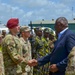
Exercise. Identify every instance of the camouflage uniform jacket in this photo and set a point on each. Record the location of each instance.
(51, 44)
(12, 55)
(39, 47)
(27, 55)
(46, 45)
(70, 70)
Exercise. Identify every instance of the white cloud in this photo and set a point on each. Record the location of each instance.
(67, 2)
(32, 10)
(7, 11)
(32, 3)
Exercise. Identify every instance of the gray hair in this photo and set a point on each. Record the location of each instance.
(62, 20)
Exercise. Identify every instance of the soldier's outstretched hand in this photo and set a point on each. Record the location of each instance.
(32, 62)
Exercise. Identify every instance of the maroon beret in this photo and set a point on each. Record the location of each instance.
(13, 22)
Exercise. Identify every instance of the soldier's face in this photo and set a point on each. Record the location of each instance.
(39, 33)
(16, 29)
(27, 34)
(46, 34)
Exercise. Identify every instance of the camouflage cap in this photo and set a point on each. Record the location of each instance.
(38, 29)
(3, 30)
(24, 28)
(52, 33)
(47, 30)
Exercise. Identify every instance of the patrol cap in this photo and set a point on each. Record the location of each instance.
(52, 33)
(3, 30)
(12, 23)
(47, 30)
(24, 28)
(38, 29)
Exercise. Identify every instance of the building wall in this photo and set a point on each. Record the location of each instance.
(71, 26)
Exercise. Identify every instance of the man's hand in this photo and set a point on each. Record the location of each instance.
(53, 68)
(32, 62)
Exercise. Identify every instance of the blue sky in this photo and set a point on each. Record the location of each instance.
(33, 10)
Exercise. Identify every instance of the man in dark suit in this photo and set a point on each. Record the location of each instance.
(62, 47)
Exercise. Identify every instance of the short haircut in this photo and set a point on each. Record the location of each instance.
(62, 20)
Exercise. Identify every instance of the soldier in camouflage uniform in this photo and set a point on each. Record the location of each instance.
(1, 58)
(45, 40)
(42, 48)
(52, 39)
(14, 63)
(46, 50)
(25, 34)
(0, 40)
(70, 70)
(3, 33)
(38, 47)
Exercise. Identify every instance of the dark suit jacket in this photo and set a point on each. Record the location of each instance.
(60, 52)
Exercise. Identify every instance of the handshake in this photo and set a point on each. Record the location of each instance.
(32, 62)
